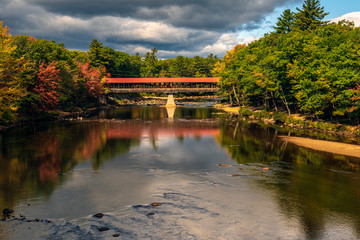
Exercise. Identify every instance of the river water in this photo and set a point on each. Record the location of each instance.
(207, 177)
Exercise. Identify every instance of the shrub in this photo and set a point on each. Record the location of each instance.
(245, 112)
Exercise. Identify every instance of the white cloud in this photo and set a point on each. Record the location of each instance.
(352, 17)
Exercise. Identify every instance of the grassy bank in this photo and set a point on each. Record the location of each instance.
(297, 125)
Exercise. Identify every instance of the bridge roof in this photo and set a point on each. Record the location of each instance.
(164, 80)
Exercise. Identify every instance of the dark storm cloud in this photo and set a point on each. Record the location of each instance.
(184, 27)
(196, 14)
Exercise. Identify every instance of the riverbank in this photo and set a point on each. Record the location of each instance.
(317, 135)
(126, 100)
(57, 115)
(297, 121)
(161, 101)
(228, 108)
(325, 146)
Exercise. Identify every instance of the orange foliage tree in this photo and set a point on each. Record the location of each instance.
(47, 86)
(90, 77)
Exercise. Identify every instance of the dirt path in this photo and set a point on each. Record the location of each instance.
(325, 146)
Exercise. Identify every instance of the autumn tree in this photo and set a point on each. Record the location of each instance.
(47, 86)
(89, 81)
(11, 91)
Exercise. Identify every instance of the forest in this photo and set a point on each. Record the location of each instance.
(306, 65)
(38, 76)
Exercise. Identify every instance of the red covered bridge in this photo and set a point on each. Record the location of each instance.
(163, 85)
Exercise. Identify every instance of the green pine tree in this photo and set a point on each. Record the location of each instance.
(285, 22)
(310, 16)
(98, 54)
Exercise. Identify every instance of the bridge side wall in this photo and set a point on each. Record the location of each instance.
(163, 90)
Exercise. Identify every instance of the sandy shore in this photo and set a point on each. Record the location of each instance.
(325, 146)
(227, 108)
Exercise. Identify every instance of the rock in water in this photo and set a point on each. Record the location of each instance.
(223, 165)
(103, 229)
(99, 215)
(155, 204)
(7, 211)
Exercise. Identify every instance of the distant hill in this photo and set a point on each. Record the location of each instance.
(352, 17)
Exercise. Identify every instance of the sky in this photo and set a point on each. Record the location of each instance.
(182, 27)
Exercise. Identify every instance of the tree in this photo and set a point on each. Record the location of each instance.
(40, 50)
(150, 64)
(89, 79)
(233, 69)
(47, 86)
(310, 16)
(11, 91)
(99, 55)
(285, 22)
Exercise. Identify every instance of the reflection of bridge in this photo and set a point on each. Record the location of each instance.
(179, 128)
(162, 85)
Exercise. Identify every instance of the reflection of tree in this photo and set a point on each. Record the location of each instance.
(111, 149)
(47, 156)
(194, 113)
(32, 157)
(308, 184)
(31, 165)
(150, 113)
(311, 194)
(13, 176)
(247, 144)
(145, 113)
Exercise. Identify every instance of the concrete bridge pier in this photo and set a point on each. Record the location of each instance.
(170, 101)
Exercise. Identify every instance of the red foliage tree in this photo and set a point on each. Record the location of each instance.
(47, 86)
(92, 80)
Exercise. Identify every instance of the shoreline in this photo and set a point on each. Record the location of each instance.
(335, 147)
(228, 108)
(62, 115)
(338, 148)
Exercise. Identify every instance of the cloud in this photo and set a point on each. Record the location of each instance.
(194, 14)
(185, 27)
(351, 17)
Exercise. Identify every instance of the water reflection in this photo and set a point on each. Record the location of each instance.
(308, 185)
(35, 159)
(170, 112)
(315, 190)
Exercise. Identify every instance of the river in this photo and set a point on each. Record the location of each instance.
(184, 173)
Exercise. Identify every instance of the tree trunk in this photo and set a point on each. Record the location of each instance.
(237, 99)
(283, 99)
(266, 103)
(272, 98)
